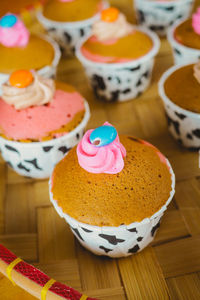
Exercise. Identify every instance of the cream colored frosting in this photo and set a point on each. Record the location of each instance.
(196, 70)
(112, 30)
(39, 92)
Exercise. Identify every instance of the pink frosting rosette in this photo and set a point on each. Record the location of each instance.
(196, 21)
(101, 159)
(16, 35)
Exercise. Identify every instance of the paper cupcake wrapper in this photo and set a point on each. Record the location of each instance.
(120, 81)
(68, 34)
(184, 125)
(181, 53)
(38, 159)
(118, 241)
(47, 71)
(161, 15)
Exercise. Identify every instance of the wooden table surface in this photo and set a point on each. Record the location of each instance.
(31, 228)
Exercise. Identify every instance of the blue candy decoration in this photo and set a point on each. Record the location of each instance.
(8, 21)
(103, 135)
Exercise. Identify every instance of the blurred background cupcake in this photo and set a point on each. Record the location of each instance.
(22, 50)
(118, 57)
(26, 9)
(69, 20)
(179, 88)
(184, 38)
(160, 15)
(40, 120)
(112, 190)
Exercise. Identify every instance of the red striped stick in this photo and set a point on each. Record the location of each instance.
(33, 280)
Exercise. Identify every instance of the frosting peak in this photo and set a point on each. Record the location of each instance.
(109, 30)
(106, 157)
(13, 32)
(196, 21)
(39, 92)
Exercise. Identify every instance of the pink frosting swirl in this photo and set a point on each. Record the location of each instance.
(15, 36)
(106, 159)
(196, 21)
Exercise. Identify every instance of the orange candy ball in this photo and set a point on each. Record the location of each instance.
(21, 78)
(110, 14)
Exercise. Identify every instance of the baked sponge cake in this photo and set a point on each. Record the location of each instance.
(117, 48)
(109, 180)
(19, 49)
(187, 33)
(114, 40)
(182, 87)
(40, 121)
(35, 109)
(71, 11)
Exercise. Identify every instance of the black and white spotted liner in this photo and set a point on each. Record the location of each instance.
(182, 54)
(38, 159)
(159, 16)
(183, 124)
(118, 241)
(47, 71)
(68, 34)
(120, 81)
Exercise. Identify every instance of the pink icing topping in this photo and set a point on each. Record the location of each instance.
(196, 21)
(37, 121)
(106, 159)
(101, 58)
(15, 36)
(107, 42)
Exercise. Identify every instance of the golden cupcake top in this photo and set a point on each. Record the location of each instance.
(71, 10)
(183, 87)
(115, 40)
(36, 55)
(20, 49)
(188, 32)
(135, 192)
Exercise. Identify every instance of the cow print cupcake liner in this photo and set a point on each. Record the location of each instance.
(184, 125)
(47, 71)
(120, 81)
(37, 159)
(181, 53)
(159, 16)
(68, 34)
(118, 241)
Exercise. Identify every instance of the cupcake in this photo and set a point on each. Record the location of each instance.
(184, 38)
(112, 191)
(160, 15)
(21, 50)
(118, 57)
(40, 120)
(69, 20)
(179, 88)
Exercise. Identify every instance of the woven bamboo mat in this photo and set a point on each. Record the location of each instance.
(30, 227)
